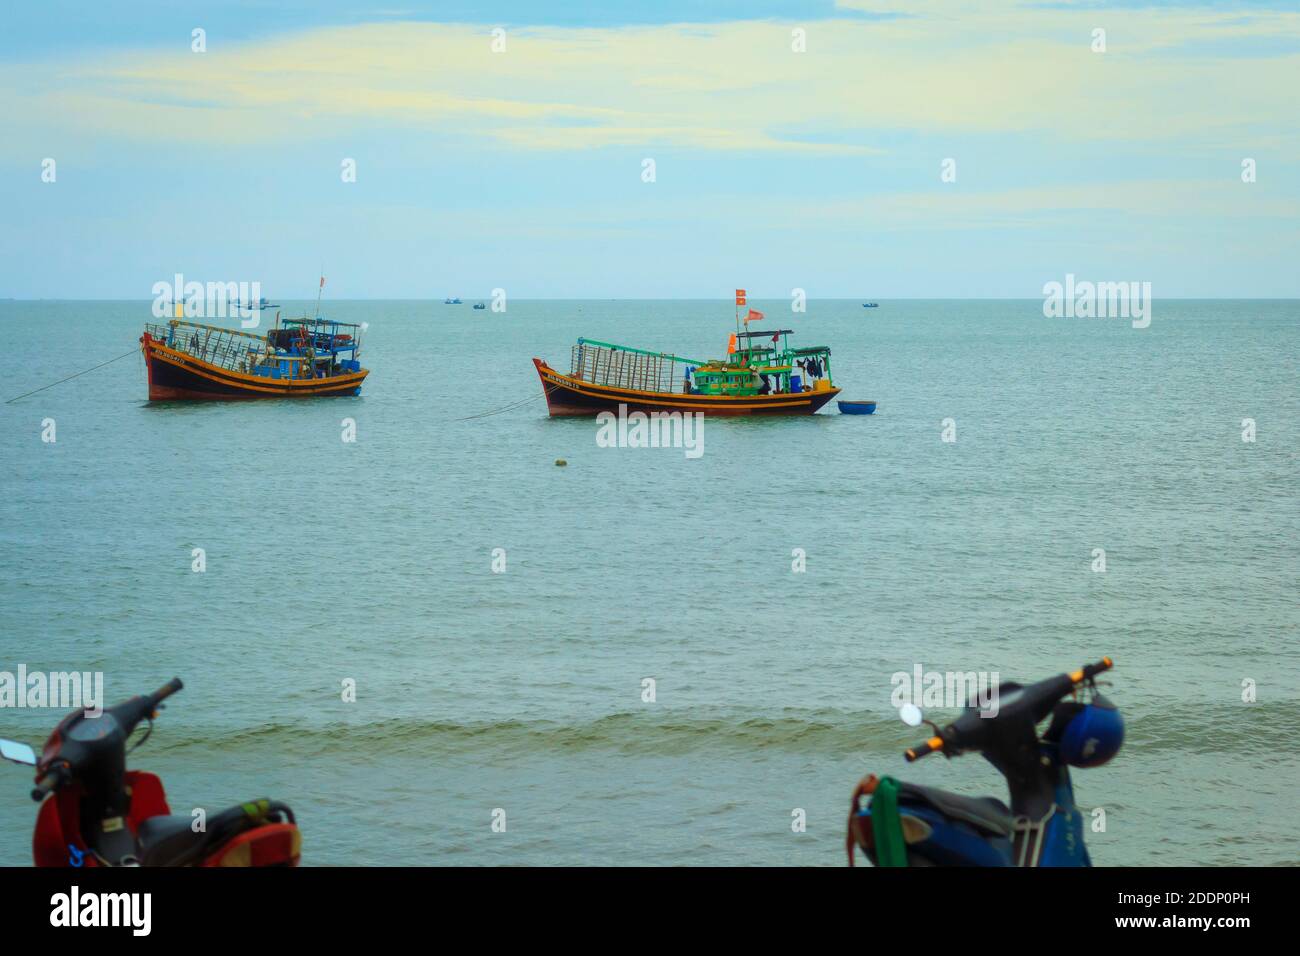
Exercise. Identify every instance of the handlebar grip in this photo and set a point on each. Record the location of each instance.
(1089, 671)
(47, 783)
(919, 751)
(166, 690)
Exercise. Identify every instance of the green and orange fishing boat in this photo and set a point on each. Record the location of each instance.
(761, 375)
(297, 359)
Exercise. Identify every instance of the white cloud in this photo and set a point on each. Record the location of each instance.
(952, 68)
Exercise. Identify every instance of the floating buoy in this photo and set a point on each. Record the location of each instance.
(561, 462)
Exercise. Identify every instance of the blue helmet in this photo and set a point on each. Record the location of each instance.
(1094, 734)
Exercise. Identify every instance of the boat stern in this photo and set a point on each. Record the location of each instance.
(819, 399)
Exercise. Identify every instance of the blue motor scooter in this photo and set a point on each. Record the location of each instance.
(905, 824)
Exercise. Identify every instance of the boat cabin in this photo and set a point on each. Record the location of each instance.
(759, 363)
(762, 363)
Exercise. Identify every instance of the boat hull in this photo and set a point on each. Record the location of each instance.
(566, 395)
(176, 376)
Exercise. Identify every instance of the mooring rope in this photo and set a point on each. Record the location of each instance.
(71, 377)
(507, 408)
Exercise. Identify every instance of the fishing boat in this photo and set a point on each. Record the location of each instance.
(761, 375)
(299, 358)
(871, 305)
(451, 301)
(480, 305)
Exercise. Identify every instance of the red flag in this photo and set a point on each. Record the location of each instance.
(740, 297)
(754, 315)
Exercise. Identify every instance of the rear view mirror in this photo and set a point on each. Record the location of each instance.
(18, 753)
(910, 714)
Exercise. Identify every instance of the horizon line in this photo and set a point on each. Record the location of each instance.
(727, 299)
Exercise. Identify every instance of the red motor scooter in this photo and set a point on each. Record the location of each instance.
(102, 814)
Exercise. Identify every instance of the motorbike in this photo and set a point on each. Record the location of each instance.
(906, 824)
(101, 814)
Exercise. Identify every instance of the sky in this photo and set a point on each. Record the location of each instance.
(860, 148)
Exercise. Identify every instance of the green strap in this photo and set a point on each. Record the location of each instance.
(886, 826)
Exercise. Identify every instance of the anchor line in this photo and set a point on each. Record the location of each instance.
(71, 377)
(508, 408)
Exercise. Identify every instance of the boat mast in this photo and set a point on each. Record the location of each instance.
(740, 300)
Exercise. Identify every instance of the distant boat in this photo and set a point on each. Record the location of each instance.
(870, 305)
(451, 302)
(857, 408)
(259, 304)
(479, 305)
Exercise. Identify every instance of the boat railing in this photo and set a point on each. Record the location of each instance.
(626, 368)
(230, 349)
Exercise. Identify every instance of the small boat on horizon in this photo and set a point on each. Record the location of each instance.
(451, 302)
(303, 357)
(479, 305)
(761, 375)
(871, 305)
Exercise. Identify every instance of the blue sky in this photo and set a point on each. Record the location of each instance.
(774, 168)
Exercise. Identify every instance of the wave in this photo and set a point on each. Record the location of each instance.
(1163, 727)
(825, 730)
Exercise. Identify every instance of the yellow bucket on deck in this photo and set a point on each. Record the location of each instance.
(822, 385)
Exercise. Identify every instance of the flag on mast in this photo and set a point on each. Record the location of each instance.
(740, 297)
(754, 315)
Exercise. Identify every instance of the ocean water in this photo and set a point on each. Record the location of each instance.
(522, 691)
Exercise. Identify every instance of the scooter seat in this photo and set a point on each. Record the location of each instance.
(168, 841)
(171, 841)
(986, 813)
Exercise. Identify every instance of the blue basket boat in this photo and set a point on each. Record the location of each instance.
(856, 408)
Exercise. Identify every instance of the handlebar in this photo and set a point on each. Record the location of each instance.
(51, 781)
(920, 750)
(166, 690)
(77, 751)
(1089, 671)
(1081, 676)
(144, 706)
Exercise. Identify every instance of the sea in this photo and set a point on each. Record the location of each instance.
(441, 647)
